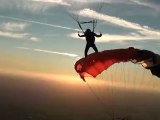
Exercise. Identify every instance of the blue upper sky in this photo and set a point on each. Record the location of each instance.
(43, 31)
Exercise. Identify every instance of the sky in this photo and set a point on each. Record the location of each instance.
(41, 36)
(38, 38)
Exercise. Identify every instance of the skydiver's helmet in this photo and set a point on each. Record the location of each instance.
(87, 31)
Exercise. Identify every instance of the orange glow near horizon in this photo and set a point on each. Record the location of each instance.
(76, 80)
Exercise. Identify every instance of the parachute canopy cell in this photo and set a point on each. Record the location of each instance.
(96, 63)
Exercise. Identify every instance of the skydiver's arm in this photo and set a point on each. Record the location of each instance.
(81, 35)
(98, 35)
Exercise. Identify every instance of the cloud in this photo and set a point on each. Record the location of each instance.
(49, 52)
(33, 6)
(14, 30)
(25, 5)
(154, 4)
(97, 1)
(58, 53)
(40, 6)
(13, 26)
(54, 2)
(24, 48)
(13, 35)
(19, 4)
(35, 39)
(112, 20)
(40, 23)
(141, 32)
(22, 36)
(120, 37)
(117, 37)
(146, 2)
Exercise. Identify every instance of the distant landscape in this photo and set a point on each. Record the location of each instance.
(27, 98)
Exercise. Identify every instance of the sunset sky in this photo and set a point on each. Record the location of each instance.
(39, 47)
(41, 36)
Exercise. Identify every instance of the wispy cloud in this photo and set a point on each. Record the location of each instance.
(49, 52)
(54, 2)
(58, 53)
(13, 35)
(40, 6)
(117, 37)
(16, 30)
(35, 39)
(40, 23)
(13, 26)
(96, 1)
(24, 48)
(141, 32)
(19, 36)
(114, 20)
(28, 5)
(154, 4)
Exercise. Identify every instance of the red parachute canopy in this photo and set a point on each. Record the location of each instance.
(96, 63)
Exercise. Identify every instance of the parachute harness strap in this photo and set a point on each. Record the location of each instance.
(80, 26)
(76, 19)
(94, 22)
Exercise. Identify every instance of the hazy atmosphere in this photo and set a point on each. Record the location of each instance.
(39, 46)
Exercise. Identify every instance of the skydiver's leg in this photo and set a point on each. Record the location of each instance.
(95, 48)
(86, 50)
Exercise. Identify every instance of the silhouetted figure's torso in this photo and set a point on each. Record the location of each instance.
(90, 37)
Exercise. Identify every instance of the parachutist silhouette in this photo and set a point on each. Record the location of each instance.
(90, 39)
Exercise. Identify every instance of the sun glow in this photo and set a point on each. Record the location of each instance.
(76, 80)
